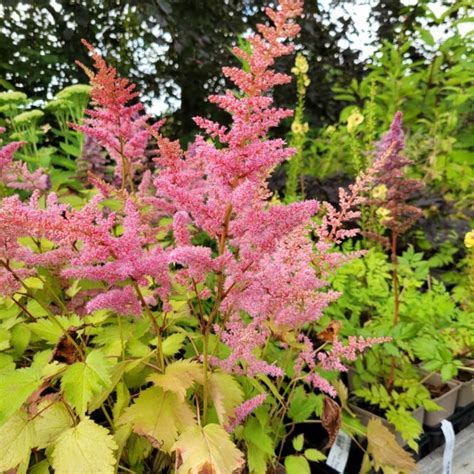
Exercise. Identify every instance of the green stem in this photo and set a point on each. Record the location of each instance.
(396, 303)
(205, 396)
(156, 329)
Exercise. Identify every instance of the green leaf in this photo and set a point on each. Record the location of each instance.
(5, 336)
(173, 344)
(297, 465)
(51, 332)
(123, 399)
(352, 424)
(35, 308)
(254, 433)
(159, 416)
(302, 405)
(40, 468)
(17, 440)
(314, 455)
(448, 371)
(20, 338)
(426, 36)
(409, 428)
(256, 459)
(207, 449)
(82, 380)
(298, 442)
(86, 448)
(430, 405)
(15, 387)
(70, 149)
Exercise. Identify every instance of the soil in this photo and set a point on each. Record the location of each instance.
(376, 410)
(464, 376)
(437, 390)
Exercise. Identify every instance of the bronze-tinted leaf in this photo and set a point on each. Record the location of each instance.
(331, 331)
(331, 420)
(65, 351)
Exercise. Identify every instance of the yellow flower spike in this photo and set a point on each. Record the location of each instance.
(354, 120)
(301, 65)
(469, 240)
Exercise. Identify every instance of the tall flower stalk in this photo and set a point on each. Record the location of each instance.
(391, 192)
(299, 129)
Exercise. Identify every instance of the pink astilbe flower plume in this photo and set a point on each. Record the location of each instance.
(115, 124)
(244, 410)
(121, 301)
(15, 174)
(270, 275)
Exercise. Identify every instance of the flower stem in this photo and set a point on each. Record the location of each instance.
(156, 329)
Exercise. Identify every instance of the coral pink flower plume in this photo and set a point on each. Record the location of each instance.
(116, 123)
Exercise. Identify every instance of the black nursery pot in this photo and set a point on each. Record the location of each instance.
(316, 437)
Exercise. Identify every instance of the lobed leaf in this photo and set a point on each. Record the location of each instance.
(87, 448)
(206, 450)
(159, 416)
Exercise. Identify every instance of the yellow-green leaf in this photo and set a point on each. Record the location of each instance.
(178, 377)
(172, 344)
(226, 394)
(159, 416)
(82, 380)
(52, 419)
(207, 449)
(297, 465)
(15, 387)
(385, 450)
(87, 448)
(343, 394)
(16, 437)
(314, 455)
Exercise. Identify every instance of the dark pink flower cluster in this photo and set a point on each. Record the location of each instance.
(389, 174)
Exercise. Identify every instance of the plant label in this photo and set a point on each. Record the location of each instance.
(448, 432)
(339, 452)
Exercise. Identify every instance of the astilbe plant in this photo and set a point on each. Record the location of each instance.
(391, 192)
(255, 288)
